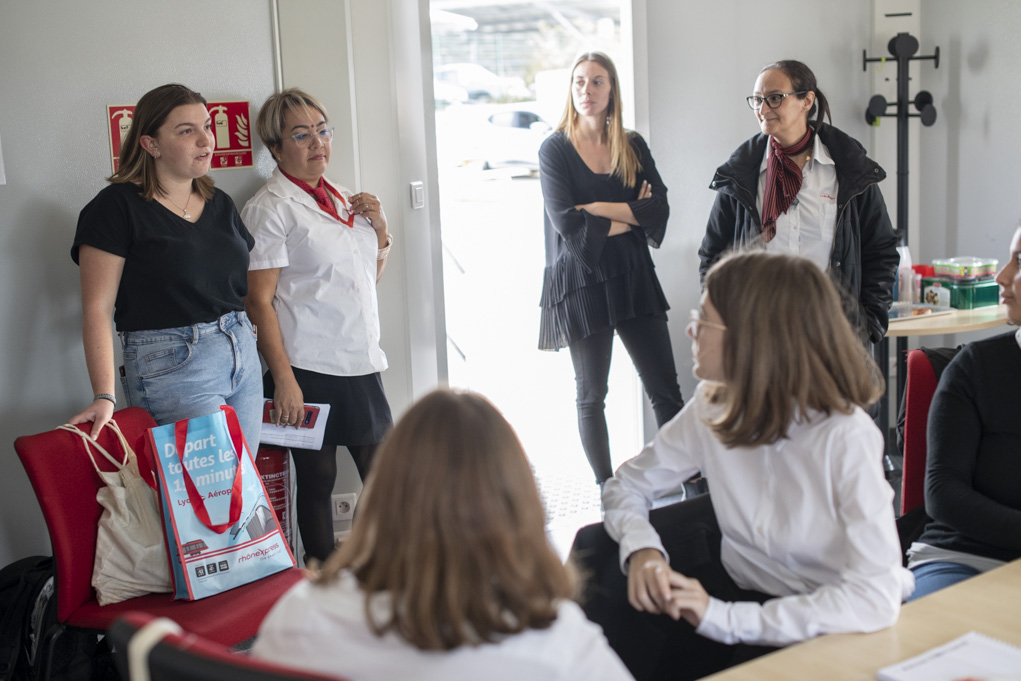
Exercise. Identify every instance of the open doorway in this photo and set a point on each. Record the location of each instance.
(500, 83)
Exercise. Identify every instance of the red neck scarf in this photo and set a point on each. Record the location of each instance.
(322, 198)
(783, 182)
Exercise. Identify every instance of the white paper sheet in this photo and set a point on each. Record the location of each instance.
(301, 438)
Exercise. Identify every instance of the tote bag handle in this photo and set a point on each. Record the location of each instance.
(197, 502)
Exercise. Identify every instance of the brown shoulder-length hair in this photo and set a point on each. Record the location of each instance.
(803, 81)
(451, 528)
(136, 164)
(788, 347)
(624, 162)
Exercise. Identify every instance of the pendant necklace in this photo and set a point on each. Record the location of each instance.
(184, 211)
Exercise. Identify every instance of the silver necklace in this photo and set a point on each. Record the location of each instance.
(184, 211)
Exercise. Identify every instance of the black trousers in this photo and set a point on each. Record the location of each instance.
(655, 646)
(647, 341)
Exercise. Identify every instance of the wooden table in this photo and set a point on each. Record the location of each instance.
(956, 321)
(989, 603)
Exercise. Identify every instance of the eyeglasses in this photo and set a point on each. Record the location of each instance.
(772, 101)
(324, 136)
(695, 323)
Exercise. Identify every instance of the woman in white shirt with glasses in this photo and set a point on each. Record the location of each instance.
(796, 537)
(319, 250)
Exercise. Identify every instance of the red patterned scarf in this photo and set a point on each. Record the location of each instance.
(783, 182)
(323, 199)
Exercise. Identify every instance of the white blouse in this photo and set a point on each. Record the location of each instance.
(808, 227)
(326, 295)
(323, 629)
(809, 519)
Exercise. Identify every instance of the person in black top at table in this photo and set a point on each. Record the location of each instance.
(973, 470)
(605, 204)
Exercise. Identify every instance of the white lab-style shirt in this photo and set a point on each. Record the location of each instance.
(808, 226)
(326, 295)
(808, 519)
(323, 629)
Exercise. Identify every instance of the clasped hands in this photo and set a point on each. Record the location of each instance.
(653, 587)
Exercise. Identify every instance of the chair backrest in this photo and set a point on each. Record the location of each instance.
(921, 385)
(156, 649)
(65, 484)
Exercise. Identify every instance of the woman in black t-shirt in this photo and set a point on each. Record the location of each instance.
(164, 256)
(605, 205)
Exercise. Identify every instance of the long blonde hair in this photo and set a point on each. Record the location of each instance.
(788, 347)
(138, 166)
(624, 162)
(451, 527)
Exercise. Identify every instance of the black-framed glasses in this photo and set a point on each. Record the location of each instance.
(308, 138)
(772, 101)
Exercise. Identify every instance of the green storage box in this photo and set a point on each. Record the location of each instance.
(969, 293)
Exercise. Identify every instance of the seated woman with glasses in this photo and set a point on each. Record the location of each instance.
(797, 536)
(319, 250)
(447, 574)
(973, 472)
(806, 188)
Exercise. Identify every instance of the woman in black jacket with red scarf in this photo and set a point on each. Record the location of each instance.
(805, 187)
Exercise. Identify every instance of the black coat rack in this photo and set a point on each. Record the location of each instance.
(903, 47)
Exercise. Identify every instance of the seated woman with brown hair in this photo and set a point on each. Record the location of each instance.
(796, 537)
(447, 573)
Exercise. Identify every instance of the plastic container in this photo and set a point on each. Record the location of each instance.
(936, 294)
(963, 268)
(966, 294)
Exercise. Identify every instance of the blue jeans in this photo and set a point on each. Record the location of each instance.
(190, 371)
(938, 575)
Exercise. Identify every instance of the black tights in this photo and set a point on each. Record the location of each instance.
(655, 647)
(315, 474)
(647, 341)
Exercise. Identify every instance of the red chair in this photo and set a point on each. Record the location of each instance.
(921, 385)
(157, 650)
(65, 484)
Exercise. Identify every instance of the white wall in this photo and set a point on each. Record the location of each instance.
(703, 59)
(970, 172)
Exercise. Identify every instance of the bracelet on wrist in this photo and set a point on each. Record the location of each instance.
(385, 251)
(105, 396)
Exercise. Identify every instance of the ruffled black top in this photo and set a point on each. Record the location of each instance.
(592, 281)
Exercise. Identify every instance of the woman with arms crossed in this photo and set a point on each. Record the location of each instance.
(604, 205)
(973, 471)
(806, 188)
(164, 254)
(319, 250)
(797, 536)
(447, 574)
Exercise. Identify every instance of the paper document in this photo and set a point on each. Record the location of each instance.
(972, 656)
(299, 437)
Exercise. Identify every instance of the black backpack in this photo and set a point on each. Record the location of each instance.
(28, 609)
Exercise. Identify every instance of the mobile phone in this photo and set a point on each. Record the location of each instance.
(269, 414)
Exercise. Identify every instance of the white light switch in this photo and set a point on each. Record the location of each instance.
(417, 195)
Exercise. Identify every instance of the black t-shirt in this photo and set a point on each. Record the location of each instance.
(176, 273)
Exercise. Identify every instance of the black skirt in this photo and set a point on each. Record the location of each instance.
(359, 412)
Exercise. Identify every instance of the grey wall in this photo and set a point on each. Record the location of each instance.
(970, 174)
(703, 59)
(61, 63)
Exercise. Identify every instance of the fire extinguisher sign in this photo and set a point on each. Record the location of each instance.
(232, 132)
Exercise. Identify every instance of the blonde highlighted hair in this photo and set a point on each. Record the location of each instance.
(270, 123)
(788, 348)
(451, 527)
(624, 162)
(135, 164)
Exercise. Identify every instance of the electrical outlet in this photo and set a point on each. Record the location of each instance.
(344, 506)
